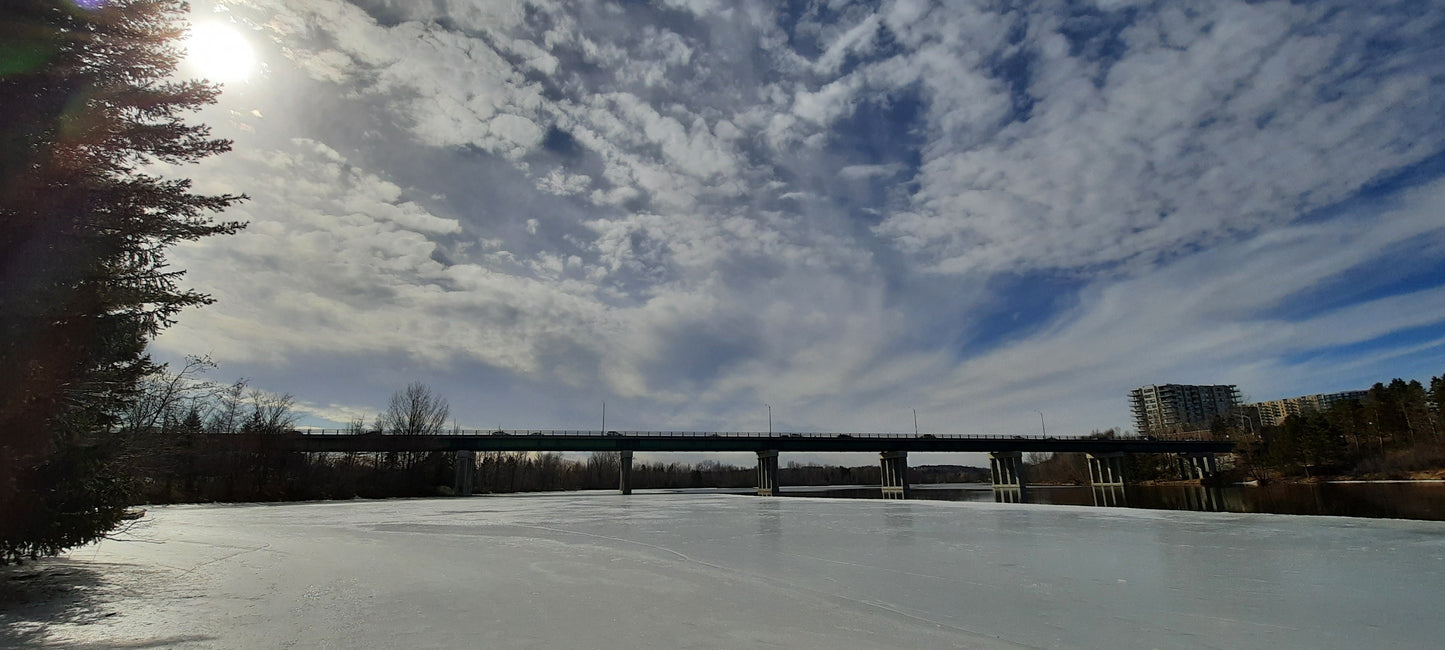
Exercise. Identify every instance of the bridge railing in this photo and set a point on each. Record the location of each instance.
(721, 434)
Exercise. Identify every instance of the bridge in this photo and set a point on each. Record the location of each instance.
(1196, 458)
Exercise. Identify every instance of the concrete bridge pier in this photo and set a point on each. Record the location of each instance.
(624, 472)
(1197, 466)
(1007, 470)
(466, 465)
(1106, 469)
(895, 474)
(768, 473)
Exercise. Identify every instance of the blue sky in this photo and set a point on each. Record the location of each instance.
(845, 210)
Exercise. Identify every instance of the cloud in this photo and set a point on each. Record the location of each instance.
(698, 207)
(336, 259)
(861, 172)
(1230, 119)
(452, 87)
(1215, 318)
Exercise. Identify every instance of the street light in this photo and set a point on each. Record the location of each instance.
(770, 419)
(915, 423)
(1041, 423)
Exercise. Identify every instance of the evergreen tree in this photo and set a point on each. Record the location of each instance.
(87, 103)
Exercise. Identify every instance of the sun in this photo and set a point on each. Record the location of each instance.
(219, 52)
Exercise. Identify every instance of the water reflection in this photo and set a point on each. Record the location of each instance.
(1001, 495)
(1207, 499)
(899, 524)
(770, 520)
(1402, 500)
(1110, 496)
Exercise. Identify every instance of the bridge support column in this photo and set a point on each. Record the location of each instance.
(1007, 470)
(466, 462)
(1106, 469)
(624, 473)
(895, 474)
(1197, 466)
(768, 473)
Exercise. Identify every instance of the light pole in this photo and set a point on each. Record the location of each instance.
(1041, 423)
(1247, 421)
(604, 418)
(915, 423)
(770, 419)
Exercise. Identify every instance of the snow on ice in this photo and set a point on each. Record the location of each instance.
(660, 570)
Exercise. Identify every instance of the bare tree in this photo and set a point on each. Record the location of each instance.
(270, 412)
(159, 425)
(415, 410)
(226, 411)
(163, 399)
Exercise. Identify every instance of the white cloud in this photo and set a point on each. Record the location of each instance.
(460, 89)
(697, 247)
(337, 261)
(861, 172)
(1209, 319)
(560, 182)
(1207, 126)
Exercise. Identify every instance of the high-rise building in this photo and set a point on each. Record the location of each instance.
(1273, 412)
(1169, 408)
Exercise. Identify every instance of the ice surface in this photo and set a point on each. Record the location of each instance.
(654, 570)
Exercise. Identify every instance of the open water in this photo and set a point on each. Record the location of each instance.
(1392, 500)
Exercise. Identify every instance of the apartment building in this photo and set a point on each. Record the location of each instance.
(1168, 408)
(1273, 412)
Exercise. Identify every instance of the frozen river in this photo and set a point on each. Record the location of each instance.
(599, 570)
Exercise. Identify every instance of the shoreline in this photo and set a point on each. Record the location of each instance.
(1316, 480)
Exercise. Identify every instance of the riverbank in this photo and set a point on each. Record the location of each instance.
(1416, 476)
(1431, 476)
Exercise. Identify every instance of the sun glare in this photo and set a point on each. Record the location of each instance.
(218, 52)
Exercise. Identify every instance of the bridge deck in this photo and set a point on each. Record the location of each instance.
(558, 440)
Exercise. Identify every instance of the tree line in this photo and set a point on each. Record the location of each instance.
(1393, 431)
(173, 414)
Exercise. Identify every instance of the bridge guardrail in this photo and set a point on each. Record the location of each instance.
(725, 434)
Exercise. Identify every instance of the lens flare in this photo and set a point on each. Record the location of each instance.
(218, 52)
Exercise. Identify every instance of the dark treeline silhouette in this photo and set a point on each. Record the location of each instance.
(259, 471)
(168, 463)
(1393, 431)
